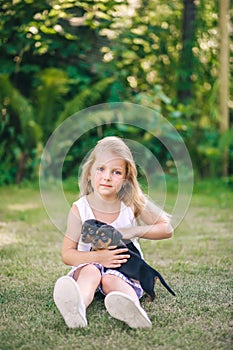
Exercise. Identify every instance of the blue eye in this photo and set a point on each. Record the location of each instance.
(117, 172)
(100, 168)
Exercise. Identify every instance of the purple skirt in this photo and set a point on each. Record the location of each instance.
(135, 284)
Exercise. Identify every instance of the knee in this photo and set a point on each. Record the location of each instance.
(107, 283)
(92, 271)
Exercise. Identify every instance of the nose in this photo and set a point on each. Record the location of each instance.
(107, 175)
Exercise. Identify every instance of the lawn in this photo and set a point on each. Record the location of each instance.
(196, 262)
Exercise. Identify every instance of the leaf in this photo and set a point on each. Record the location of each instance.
(88, 97)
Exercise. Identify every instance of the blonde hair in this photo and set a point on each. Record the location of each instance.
(130, 193)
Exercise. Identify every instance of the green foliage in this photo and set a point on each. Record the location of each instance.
(19, 129)
(52, 87)
(20, 111)
(91, 95)
(63, 56)
(7, 170)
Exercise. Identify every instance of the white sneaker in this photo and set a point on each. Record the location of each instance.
(69, 302)
(122, 307)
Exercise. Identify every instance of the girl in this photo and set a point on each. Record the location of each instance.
(109, 192)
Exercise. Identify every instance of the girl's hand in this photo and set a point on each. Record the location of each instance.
(112, 257)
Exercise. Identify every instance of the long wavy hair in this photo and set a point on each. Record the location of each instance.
(130, 192)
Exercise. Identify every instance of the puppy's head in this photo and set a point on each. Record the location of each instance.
(100, 235)
(101, 241)
(88, 235)
(89, 229)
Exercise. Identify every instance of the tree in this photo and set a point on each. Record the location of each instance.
(186, 68)
(224, 7)
(61, 56)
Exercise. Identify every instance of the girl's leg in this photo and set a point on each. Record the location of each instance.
(112, 283)
(122, 302)
(88, 279)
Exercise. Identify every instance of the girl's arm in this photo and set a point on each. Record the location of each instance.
(71, 256)
(155, 225)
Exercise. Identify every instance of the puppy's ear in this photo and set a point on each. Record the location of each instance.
(116, 237)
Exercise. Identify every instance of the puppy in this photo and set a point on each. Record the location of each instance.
(101, 236)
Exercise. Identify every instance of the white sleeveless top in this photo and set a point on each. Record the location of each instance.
(125, 219)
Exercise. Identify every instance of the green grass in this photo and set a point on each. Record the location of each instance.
(197, 263)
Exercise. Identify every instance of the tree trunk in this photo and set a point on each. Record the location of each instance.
(224, 8)
(21, 165)
(184, 92)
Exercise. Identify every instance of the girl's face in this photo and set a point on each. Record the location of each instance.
(107, 175)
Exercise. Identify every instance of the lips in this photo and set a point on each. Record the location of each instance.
(104, 185)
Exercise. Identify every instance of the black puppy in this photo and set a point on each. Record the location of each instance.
(101, 236)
